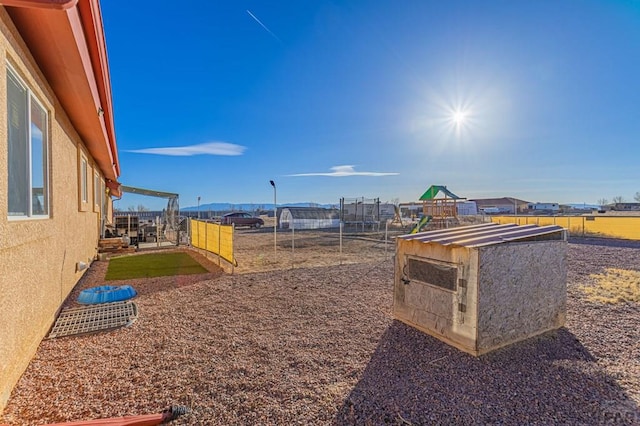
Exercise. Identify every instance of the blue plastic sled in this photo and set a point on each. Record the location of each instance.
(106, 294)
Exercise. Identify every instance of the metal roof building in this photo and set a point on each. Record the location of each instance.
(308, 218)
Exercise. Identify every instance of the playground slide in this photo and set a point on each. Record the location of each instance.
(421, 224)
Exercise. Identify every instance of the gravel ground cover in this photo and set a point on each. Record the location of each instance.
(318, 345)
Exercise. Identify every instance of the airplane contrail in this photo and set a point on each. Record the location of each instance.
(263, 25)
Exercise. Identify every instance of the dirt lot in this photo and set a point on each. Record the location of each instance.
(305, 249)
(315, 344)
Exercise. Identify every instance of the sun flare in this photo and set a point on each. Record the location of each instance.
(450, 120)
(459, 117)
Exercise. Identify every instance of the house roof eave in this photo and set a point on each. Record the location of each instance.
(41, 4)
(66, 39)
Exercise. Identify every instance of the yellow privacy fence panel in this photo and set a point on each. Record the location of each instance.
(606, 226)
(213, 238)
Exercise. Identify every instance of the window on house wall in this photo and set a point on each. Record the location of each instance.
(84, 179)
(28, 150)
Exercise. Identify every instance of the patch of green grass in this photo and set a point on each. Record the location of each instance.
(152, 265)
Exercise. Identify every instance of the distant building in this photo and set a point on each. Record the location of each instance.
(625, 207)
(411, 210)
(544, 207)
(578, 209)
(505, 205)
(467, 208)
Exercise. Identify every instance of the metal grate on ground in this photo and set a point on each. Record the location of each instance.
(89, 319)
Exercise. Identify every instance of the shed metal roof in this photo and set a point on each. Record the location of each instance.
(485, 234)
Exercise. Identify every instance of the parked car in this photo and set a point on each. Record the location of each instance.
(241, 219)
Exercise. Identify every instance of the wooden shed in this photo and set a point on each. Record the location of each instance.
(482, 287)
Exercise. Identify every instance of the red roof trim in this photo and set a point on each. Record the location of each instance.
(42, 4)
(91, 15)
(115, 187)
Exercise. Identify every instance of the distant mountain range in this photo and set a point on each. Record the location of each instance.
(249, 207)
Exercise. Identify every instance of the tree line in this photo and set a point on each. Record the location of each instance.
(618, 199)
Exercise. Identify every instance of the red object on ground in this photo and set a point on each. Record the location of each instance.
(167, 415)
(144, 420)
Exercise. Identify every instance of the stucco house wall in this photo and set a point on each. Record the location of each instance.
(38, 257)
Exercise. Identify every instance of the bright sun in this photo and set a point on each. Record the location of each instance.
(458, 117)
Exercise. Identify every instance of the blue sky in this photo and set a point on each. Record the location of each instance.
(538, 100)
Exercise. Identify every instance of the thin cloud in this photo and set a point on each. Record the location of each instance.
(209, 148)
(343, 171)
(263, 25)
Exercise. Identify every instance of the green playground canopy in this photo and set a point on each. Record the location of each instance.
(434, 190)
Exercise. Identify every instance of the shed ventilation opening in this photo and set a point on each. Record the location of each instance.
(437, 274)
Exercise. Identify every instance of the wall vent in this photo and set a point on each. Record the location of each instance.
(437, 274)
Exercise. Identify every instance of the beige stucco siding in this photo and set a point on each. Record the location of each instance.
(38, 257)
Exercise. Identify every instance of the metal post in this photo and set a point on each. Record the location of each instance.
(293, 242)
(189, 232)
(198, 207)
(177, 222)
(341, 226)
(206, 237)
(386, 234)
(275, 219)
(363, 214)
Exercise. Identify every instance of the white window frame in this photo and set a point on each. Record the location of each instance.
(84, 179)
(97, 199)
(31, 99)
(103, 197)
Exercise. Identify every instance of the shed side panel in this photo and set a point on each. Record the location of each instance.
(521, 291)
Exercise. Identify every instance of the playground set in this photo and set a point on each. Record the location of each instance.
(439, 209)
